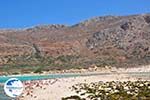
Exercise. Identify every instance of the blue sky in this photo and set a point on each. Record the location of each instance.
(27, 13)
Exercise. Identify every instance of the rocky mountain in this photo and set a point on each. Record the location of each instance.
(122, 41)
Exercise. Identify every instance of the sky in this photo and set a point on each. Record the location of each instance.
(28, 13)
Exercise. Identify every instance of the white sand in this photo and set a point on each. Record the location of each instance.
(61, 87)
(55, 89)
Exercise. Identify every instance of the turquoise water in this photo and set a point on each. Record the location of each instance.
(50, 76)
(3, 79)
(34, 77)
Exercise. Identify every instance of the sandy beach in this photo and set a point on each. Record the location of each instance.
(55, 89)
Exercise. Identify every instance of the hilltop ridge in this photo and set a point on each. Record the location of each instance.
(122, 41)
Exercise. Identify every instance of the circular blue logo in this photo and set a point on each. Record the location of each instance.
(13, 87)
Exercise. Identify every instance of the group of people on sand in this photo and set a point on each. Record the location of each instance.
(30, 85)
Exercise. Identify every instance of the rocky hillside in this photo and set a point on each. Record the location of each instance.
(122, 41)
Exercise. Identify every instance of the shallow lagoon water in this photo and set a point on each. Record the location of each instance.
(49, 76)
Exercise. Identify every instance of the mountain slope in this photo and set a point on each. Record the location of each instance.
(122, 41)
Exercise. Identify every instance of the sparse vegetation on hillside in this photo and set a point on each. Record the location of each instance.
(121, 41)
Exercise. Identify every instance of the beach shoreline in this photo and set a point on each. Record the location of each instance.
(56, 88)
